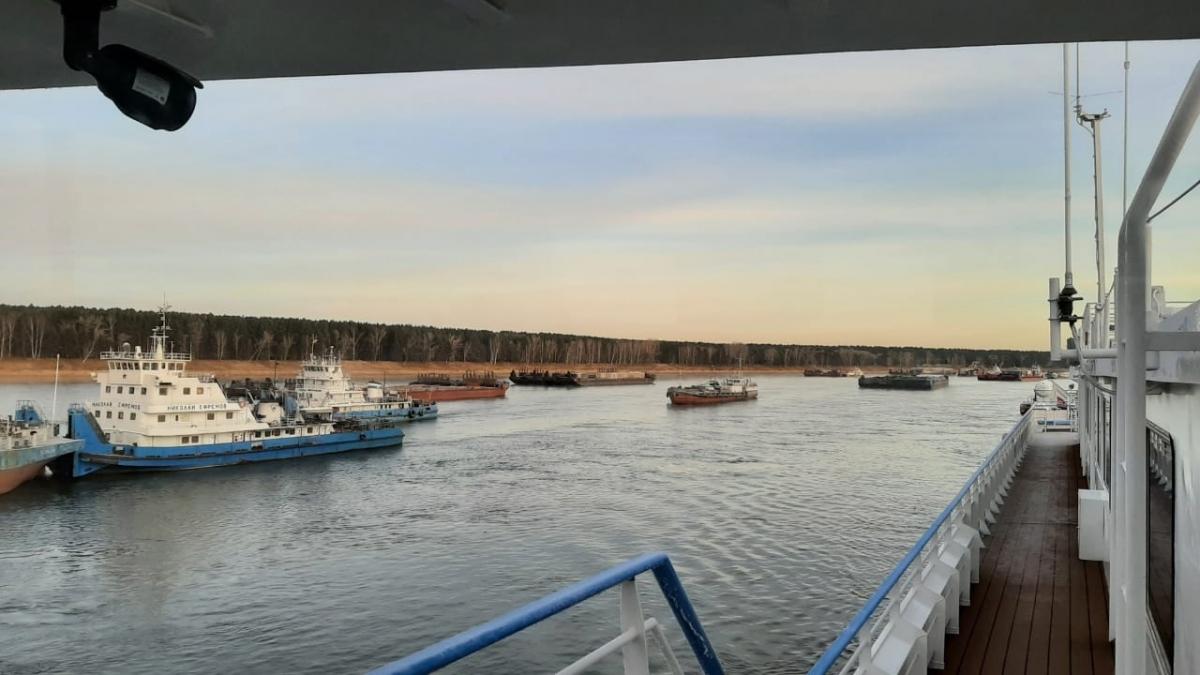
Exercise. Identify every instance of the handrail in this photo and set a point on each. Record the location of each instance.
(834, 652)
(468, 642)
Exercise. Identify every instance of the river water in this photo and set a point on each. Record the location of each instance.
(781, 516)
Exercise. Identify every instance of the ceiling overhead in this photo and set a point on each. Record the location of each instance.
(222, 39)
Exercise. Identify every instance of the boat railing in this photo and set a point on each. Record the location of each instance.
(145, 356)
(903, 625)
(631, 642)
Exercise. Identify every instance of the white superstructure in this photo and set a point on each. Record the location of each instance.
(147, 398)
(322, 388)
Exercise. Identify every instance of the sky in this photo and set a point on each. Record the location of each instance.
(885, 198)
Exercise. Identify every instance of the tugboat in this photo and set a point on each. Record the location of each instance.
(27, 444)
(324, 391)
(153, 415)
(729, 390)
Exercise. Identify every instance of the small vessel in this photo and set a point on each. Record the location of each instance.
(438, 387)
(152, 414)
(323, 390)
(728, 390)
(911, 381)
(27, 444)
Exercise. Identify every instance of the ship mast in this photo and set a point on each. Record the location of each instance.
(158, 336)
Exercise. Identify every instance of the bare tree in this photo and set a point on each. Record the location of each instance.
(92, 329)
(36, 325)
(377, 334)
(221, 339)
(285, 345)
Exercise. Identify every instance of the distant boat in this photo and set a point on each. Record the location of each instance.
(729, 390)
(910, 381)
(323, 390)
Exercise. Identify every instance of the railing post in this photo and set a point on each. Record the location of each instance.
(634, 653)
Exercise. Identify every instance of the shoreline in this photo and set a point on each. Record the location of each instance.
(74, 371)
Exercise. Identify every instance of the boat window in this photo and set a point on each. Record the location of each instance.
(133, 416)
(120, 390)
(154, 366)
(310, 430)
(228, 415)
(143, 391)
(291, 432)
(187, 390)
(1160, 534)
(195, 439)
(120, 415)
(162, 391)
(162, 418)
(258, 434)
(199, 390)
(108, 414)
(212, 416)
(108, 390)
(186, 440)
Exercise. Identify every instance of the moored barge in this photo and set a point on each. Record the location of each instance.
(914, 382)
(438, 387)
(27, 444)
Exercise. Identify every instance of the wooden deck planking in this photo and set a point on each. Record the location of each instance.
(1037, 609)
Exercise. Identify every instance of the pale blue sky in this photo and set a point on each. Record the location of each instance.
(854, 198)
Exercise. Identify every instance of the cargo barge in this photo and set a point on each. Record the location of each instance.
(27, 444)
(570, 378)
(909, 381)
(439, 387)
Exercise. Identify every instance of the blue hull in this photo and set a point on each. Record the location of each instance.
(98, 455)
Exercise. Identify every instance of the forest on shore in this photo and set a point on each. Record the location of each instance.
(84, 332)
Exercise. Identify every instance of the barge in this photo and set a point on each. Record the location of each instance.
(909, 382)
(571, 378)
(438, 387)
(27, 444)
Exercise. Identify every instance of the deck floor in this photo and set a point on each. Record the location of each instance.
(1037, 607)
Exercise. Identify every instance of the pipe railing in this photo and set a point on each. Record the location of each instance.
(1133, 288)
(973, 504)
(631, 641)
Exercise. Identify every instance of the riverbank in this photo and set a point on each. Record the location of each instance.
(41, 371)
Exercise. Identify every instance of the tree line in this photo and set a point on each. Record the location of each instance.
(82, 332)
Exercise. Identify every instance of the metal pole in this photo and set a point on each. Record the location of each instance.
(1100, 257)
(54, 397)
(1068, 279)
(1134, 287)
(1125, 141)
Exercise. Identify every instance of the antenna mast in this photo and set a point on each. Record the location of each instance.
(1069, 288)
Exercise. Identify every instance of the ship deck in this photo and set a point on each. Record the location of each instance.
(1037, 608)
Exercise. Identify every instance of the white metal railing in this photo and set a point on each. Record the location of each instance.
(903, 626)
(145, 356)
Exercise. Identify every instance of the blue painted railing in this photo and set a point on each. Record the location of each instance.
(468, 642)
(835, 650)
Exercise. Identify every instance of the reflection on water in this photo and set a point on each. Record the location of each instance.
(782, 515)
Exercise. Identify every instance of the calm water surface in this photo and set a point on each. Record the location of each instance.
(781, 515)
